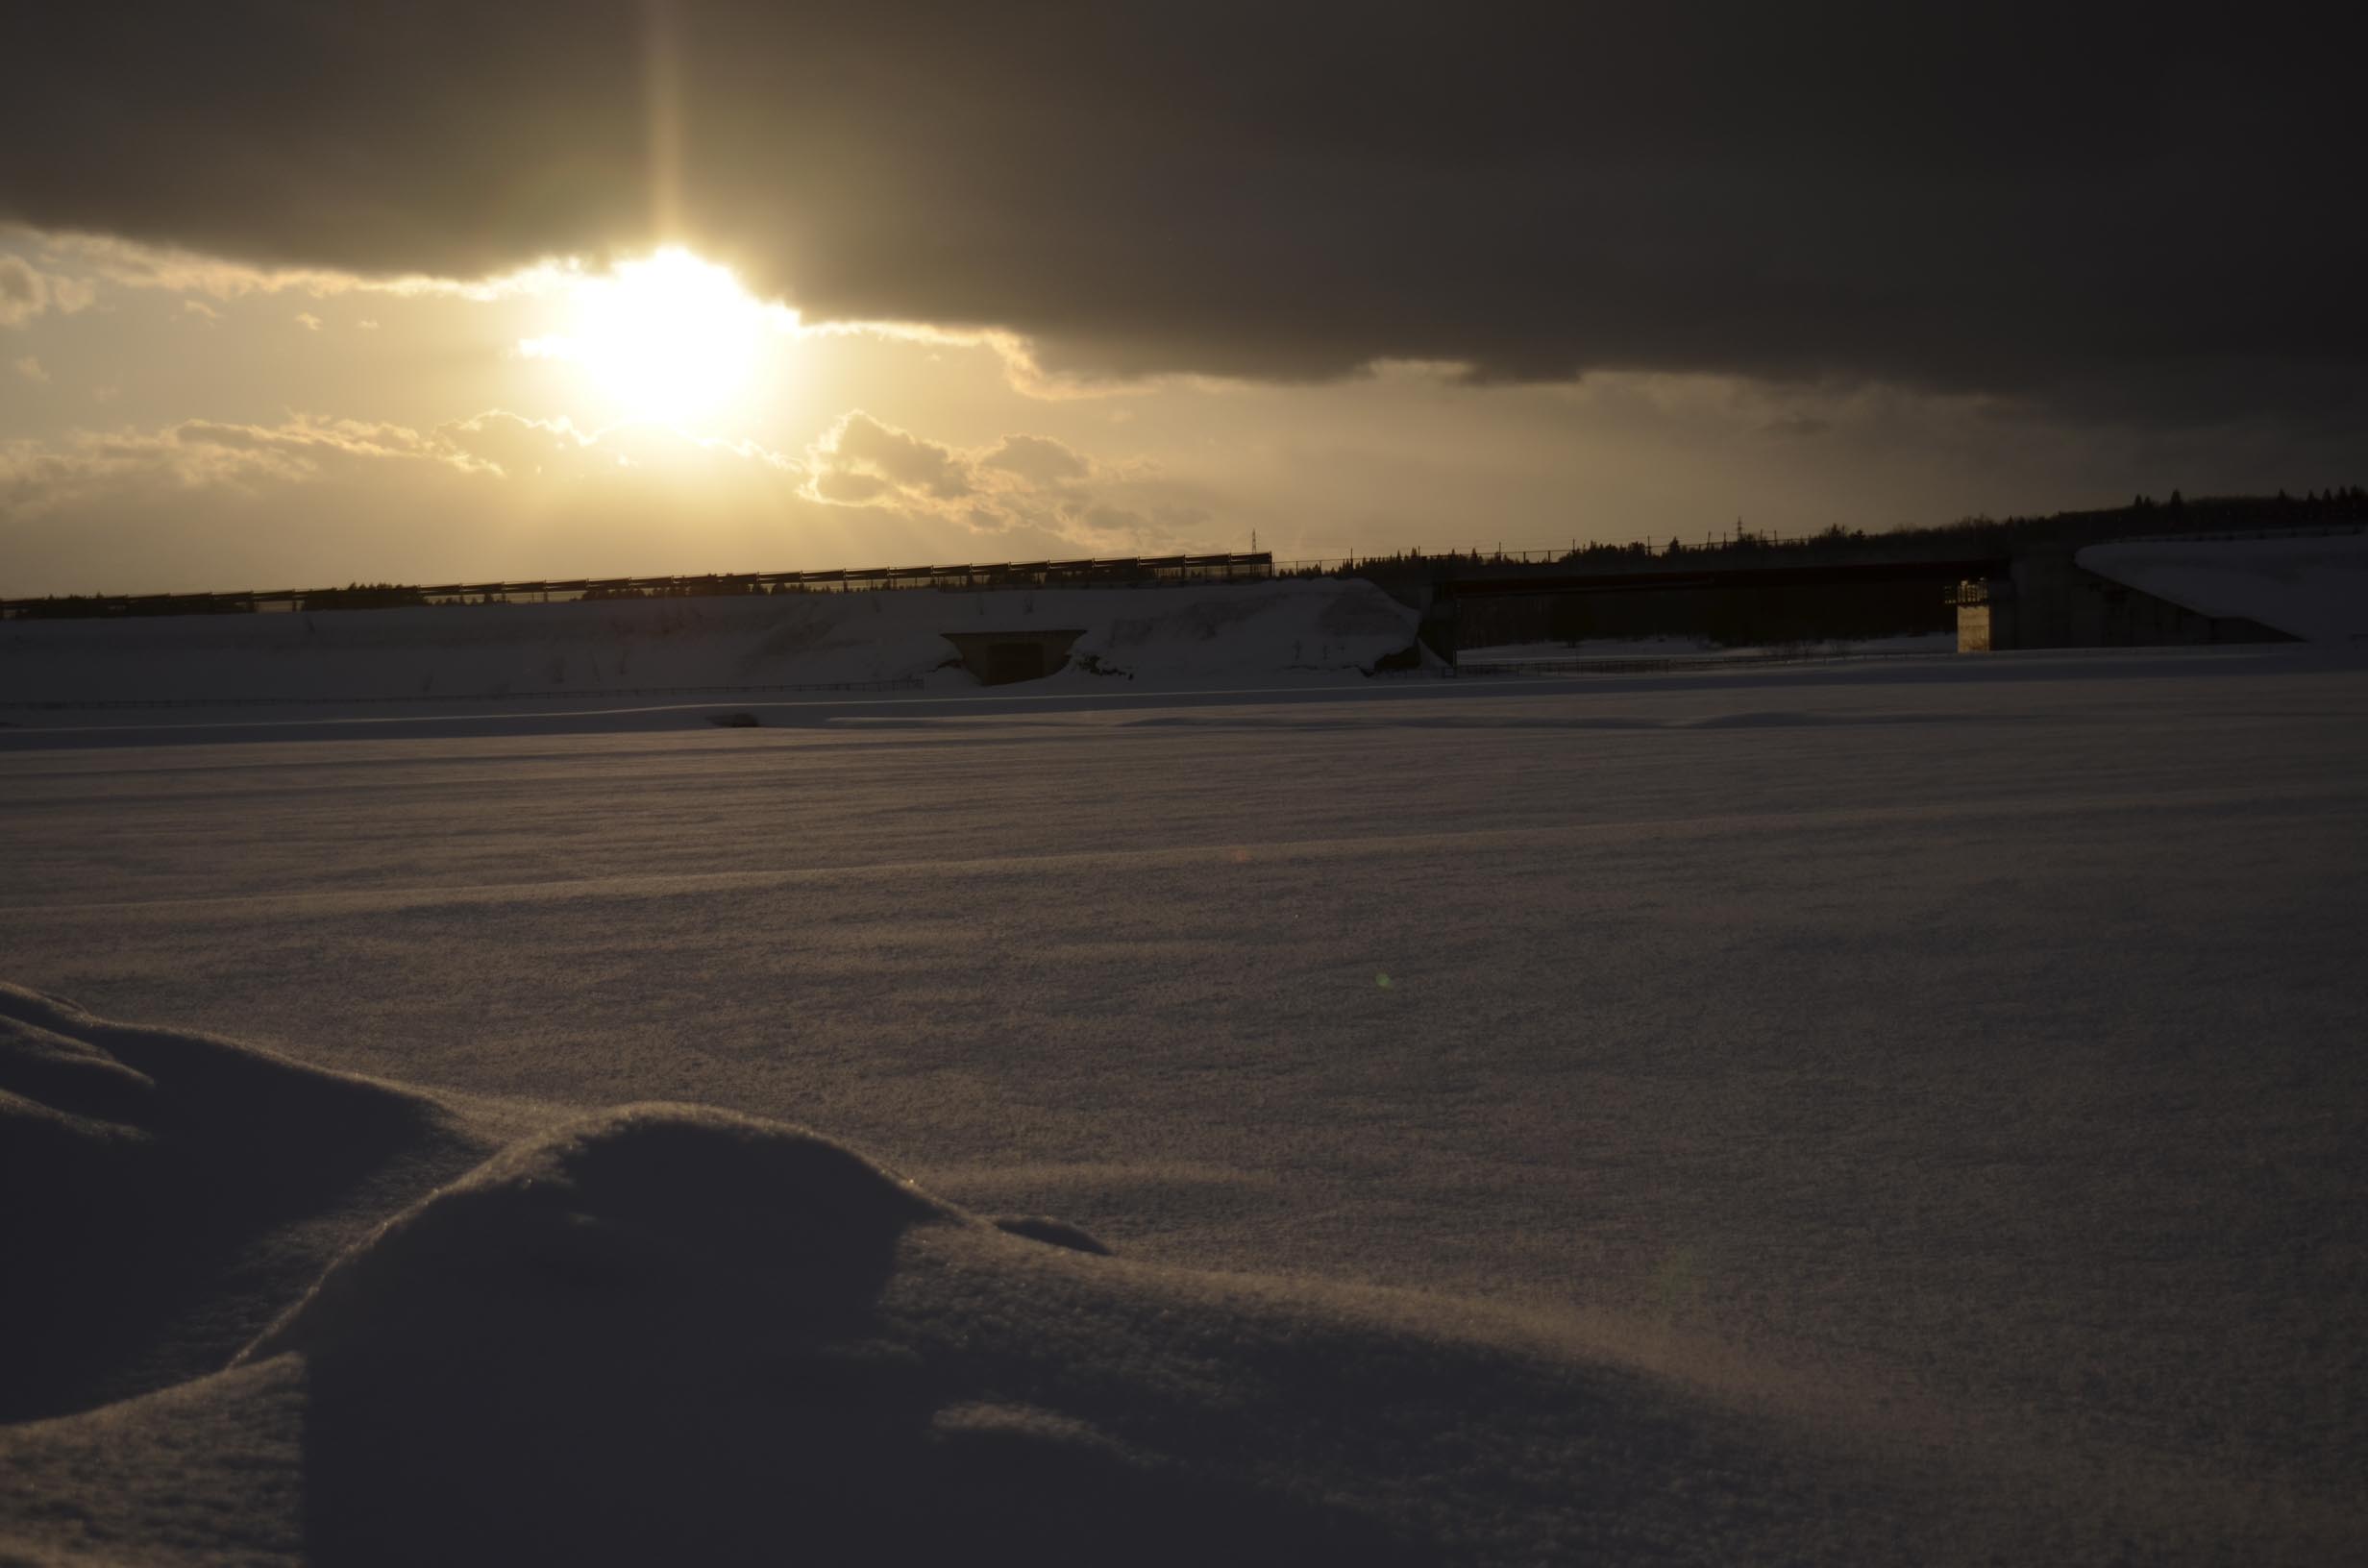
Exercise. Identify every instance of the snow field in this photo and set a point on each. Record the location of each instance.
(1839, 1113)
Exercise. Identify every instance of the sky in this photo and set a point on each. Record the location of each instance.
(437, 292)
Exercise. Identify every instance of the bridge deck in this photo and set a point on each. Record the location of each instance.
(1818, 574)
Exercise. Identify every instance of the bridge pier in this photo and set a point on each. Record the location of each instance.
(1437, 622)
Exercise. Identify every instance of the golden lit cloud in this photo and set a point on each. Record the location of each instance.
(1017, 485)
(131, 264)
(38, 476)
(26, 293)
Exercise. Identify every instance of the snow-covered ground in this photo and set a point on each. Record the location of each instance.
(1307, 629)
(2312, 586)
(1881, 1111)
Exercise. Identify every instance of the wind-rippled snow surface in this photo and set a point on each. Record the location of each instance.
(1808, 1115)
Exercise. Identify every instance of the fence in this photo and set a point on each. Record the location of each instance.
(903, 683)
(1110, 571)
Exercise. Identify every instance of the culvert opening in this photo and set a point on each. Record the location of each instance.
(1003, 658)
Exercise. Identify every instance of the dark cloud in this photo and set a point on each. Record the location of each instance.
(2072, 203)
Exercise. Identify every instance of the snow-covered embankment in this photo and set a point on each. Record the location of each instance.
(2312, 586)
(621, 646)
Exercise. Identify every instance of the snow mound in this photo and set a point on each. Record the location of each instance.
(2312, 586)
(171, 1191)
(665, 1332)
(619, 647)
(674, 1194)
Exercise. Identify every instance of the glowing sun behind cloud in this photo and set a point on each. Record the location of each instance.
(668, 337)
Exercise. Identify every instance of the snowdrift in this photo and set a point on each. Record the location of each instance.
(666, 1333)
(2314, 587)
(629, 646)
(165, 1190)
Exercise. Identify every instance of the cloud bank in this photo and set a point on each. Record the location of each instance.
(2139, 211)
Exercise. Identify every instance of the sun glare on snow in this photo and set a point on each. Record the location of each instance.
(668, 337)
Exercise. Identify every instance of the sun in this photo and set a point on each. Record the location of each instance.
(667, 337)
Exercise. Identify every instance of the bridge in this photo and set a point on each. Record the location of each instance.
(1451, 593)
(1824, 573)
